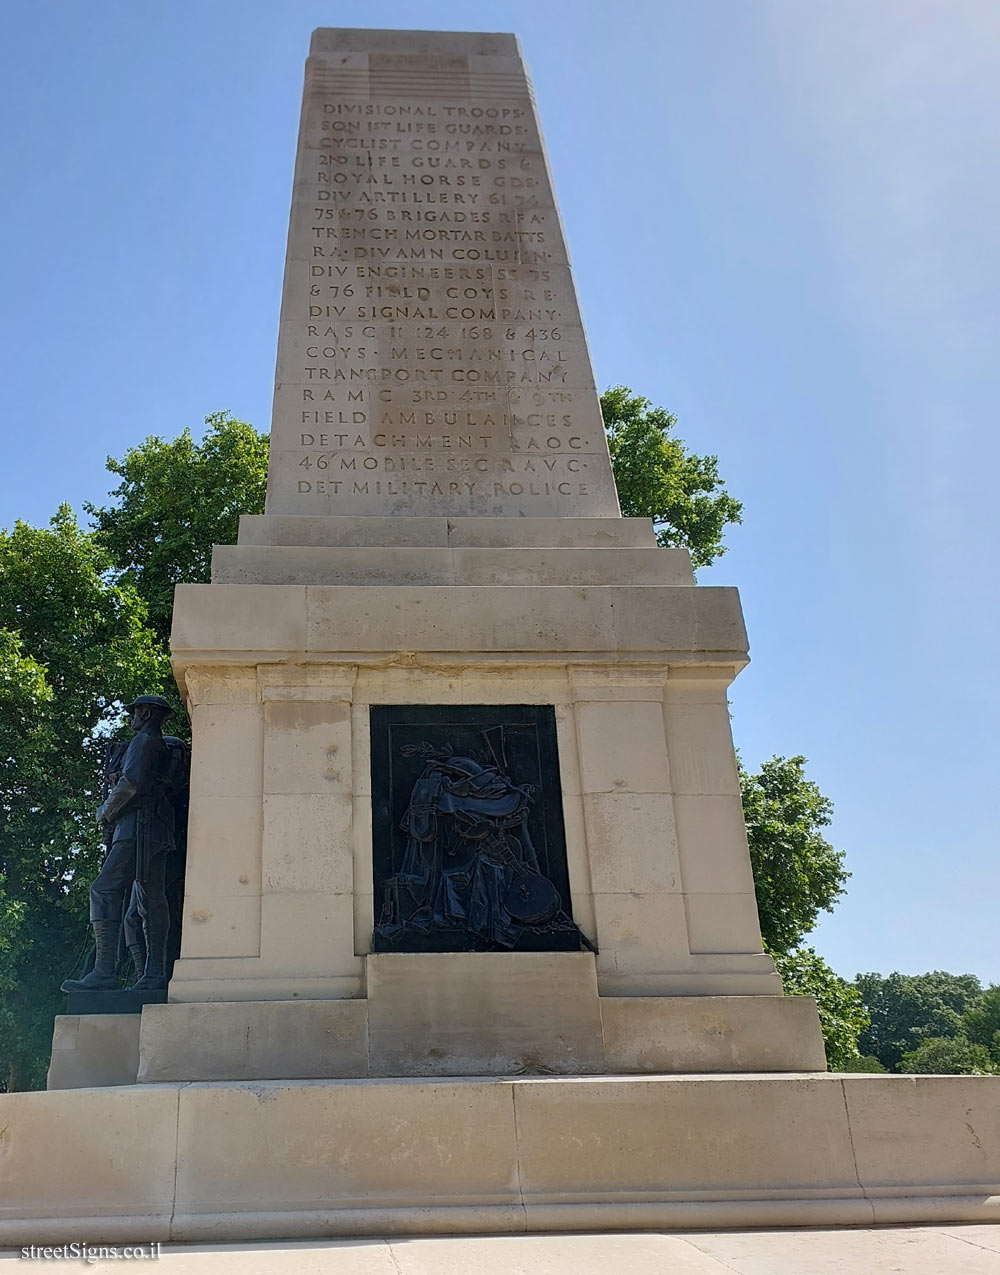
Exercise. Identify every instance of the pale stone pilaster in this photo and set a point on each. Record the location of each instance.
(625, 791)
(307, 898)
(222, 904)
(711, 838)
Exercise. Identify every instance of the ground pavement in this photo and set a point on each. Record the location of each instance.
(902, 1250)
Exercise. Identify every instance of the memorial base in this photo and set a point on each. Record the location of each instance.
(288, 1160)
(451, 1014)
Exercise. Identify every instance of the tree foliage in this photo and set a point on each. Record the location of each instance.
(949, 1056)
(797, 873)
(907, 1009)
(176, 499)
(658, 478)
(73, 647)
(981, 1022)
(842, 1016)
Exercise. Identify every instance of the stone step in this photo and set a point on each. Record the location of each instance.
(482, 533)
(700, 626)
(290, 1159)
(388, 565)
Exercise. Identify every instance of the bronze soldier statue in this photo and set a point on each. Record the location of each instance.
(139, 821)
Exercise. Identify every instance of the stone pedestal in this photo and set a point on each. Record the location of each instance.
(280, 680)
(206, 1163)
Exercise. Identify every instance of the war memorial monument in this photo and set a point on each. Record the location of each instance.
(469, 936)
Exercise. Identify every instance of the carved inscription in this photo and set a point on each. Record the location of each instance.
(431, 356)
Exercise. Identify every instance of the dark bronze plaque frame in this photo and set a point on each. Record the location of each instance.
(413, 773)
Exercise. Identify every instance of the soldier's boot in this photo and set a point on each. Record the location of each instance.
(154, 977)
(137, 951)
(102, 978)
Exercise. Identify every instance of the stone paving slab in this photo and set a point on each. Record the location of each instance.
(901, 1250)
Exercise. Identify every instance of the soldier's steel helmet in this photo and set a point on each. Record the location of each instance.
(152, 701)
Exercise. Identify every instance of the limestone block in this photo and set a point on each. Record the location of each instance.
(361, 747)
(330, 681)
(507, 533)
(568, 566)
(308, 843)
(254, 1040)
(308, 934)
(699, 743)
(893, 1125)
(703, 624)
(403, 685)
(249, 564)
(222, 684)
(394, 1157)
(224, 835)
(617, 682)
(220, 926)
(287, 529)
(485, 533)
(408, 618)
(705, 619)
(622, 747)
(348, 1145)
(499, 684)
(307, 747)
(712, 839)
(89, 1050)
(76, 1154)
(578, 864)
(446, 1014)
(599, 1138)
(712, 1034)
(364, 922)
(339, 40)
(632, 843)
(707, 974)
(228, 749)
(238, 617)
(195, 985)
(640, 933)
(723, 922)
(569, 758)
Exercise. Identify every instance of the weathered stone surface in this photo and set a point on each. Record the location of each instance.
(475, 533)
(431, 357)
(91, 1050)
(71, 1157)
(712, 1034)
(486, 1156)
(273, 564)
(703, 624)
(484, 1013)
(254, 1040)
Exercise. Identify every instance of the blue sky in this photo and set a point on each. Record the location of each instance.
(783, 219)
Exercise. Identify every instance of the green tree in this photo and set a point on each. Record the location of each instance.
(658, 478)
(980, 1022)
(841, 1014)
(906, 1009)
(948, 1056)
(176, 499)
(797, 873)
(865, 1062)
(73, 647)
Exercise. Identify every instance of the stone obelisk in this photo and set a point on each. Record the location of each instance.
(441, 609)
(467, 872)
(431, 358)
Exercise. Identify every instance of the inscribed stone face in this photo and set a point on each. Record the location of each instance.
(431, 358)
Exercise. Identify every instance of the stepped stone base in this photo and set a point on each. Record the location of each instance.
(451, 1014)
(273, 1160)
